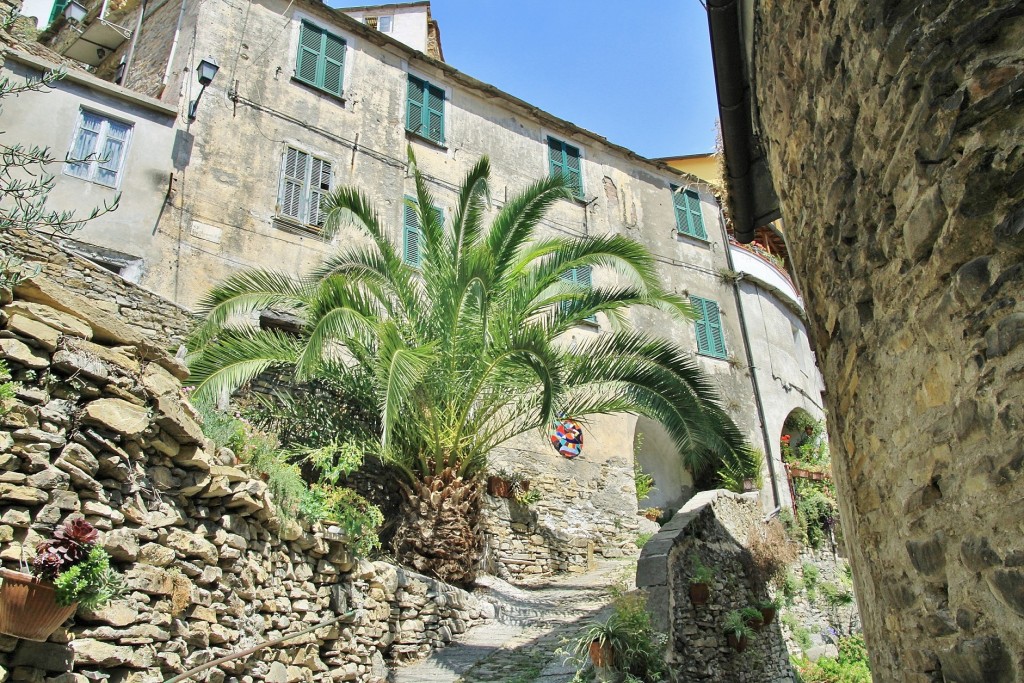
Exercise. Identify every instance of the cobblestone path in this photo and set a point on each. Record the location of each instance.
(520, 645)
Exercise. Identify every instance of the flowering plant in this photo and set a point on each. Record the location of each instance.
(79, 568)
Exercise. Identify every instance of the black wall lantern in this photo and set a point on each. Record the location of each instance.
(206, 71)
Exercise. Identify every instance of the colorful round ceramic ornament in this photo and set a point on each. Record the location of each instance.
(567, 437)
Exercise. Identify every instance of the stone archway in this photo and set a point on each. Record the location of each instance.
(658, 456)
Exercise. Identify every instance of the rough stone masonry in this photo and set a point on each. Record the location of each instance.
(99, 429)
(895, 136)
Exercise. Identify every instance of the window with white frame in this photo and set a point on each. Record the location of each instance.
(305, 182)
(98, 149)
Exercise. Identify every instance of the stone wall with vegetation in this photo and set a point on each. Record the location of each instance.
(893, 132)
(99, 429)
(161, 321)
(713, 526)
(582, 508)
(818, 604)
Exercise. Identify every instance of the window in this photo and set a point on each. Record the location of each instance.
(305, 181)
(424, 110)
(689, 220)
(411, 232)
(710, 341)
(564, 160)
(321, 59)
(98, 149)
(579, 275)
(380, 23)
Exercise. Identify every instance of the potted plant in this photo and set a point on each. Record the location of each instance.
(601, 641)
(769, 608)
(700, 581)
(69, 570)
(506, 484)
(752, 617)
(737, 632)
(653, 514)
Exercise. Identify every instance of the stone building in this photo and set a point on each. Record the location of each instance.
(308, 99)
(892, 132)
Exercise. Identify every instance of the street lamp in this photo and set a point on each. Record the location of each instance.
(74, 12)
(206, 71)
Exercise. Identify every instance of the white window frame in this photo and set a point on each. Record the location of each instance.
(91, 161)
(306, 187)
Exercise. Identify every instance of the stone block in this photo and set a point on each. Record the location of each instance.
(21, 353)
(67, 324)
(43, 335)
(116, 415)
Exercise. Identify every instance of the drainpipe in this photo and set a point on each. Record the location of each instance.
(174, 48)
(750, 364)
(733, 111)
(131, 45)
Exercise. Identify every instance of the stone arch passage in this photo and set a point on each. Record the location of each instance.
(657, 455)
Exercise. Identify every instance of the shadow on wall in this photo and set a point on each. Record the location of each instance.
(709, 528)
(658, 456)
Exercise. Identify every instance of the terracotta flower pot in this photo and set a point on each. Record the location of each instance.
(600, 654)
(652, 514)
(699, 593)
(755, 623)
(767, 615)
(738, 644)
(496, 486)
(28, 607)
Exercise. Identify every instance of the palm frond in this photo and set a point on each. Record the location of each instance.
(234, 359)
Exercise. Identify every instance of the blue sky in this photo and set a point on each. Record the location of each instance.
(637, 72)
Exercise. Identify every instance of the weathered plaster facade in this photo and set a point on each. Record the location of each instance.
(221, 207)
(145, 177)
(893, 132)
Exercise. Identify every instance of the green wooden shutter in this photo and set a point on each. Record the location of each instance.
(574, 174)
(679, 208)
(415, 106)
(708, 327)
(694, 215)
(319, 187)
(434, 113)
(579, 275)
(411, 233)
(310, 42)
(334, 64)
(556, 163)
(293, 183)
(715, 336)
(564, 160)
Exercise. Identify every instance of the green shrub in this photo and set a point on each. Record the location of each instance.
(699, 573)
(836, 596)
(638, 650)
(850, 666)
(811, 574)
(641, 539)
(791, 585)
(740, 465)
(357, 519)
(644, 482)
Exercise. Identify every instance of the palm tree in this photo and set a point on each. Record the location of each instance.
(465, 351)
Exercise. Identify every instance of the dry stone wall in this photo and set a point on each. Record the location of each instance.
(584, 509)
(161, 321)
(714, 526)
(893, 132)
(99, 430)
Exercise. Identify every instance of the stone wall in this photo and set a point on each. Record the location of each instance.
(893, 131)
(586, 507)
(160, 321)
(714, 525)
(99, 430)
(810, 609)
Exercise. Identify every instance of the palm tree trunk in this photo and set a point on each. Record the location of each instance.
(439, 533)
